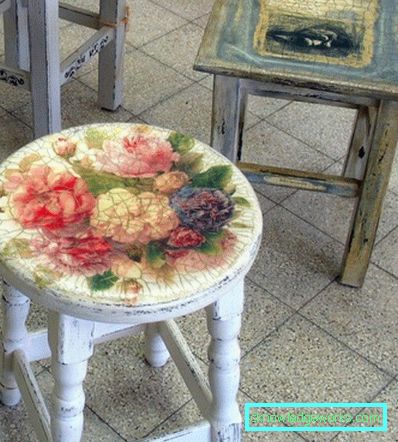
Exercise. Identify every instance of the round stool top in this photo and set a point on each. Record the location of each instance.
(122, 218)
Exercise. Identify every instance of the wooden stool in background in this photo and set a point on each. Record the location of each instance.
(32, 61)
(342, 53)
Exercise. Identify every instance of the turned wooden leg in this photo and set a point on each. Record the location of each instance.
(223, 321)
(15, 309)
(45, 66)
(374, 186)
(110, 89)
(71, 343)
(229, 104)
(156, 352)
(16, 42)
(358, 152)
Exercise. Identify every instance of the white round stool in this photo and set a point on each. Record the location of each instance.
(117, 229)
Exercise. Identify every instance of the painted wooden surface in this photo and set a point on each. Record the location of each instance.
(32, 58)
(344, 46)
(141, 202)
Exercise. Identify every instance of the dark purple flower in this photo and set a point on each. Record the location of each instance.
(202, 209)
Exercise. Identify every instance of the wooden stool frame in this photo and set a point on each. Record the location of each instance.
(366, 171)
(32, 54)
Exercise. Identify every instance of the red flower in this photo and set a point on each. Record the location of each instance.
(86, 254)
(185, 237)
(52, 200)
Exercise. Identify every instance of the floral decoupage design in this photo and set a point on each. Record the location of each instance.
(123, 213)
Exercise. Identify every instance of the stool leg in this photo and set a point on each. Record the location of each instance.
(71, 342)
(156, 352)
(229, 104)
(15, 308)
(374, 186)
(358, 153)
(223, 321)
(16, 42)
(110, 71)
(44, 66)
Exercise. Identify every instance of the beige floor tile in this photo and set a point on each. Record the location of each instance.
(15, 425)
(326, 128)
(301, 363)
(195, 9)
(147, 82)
(265, 106)
(149, 21)
(12, 97)
(262, 314)
(265, 144)
(332, 214)
(389, 396)
(14, 135)
(385, 254)
(190, 414)
(186, 39)
(365, 319)
(127, 393)
(189, 112)
(295, 260)
(202, 21)
(79, 106)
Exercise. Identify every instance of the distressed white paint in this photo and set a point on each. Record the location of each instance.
(110, 68)
(223, 321)
(15, 308)
(155, 350)
(72, 343)
(32, 397)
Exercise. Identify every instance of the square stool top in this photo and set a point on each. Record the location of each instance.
(121, 217)
(341, 46)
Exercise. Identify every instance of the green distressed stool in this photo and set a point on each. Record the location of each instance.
(341, 53)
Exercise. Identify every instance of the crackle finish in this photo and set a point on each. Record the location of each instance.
(122, 215)
(347, 46)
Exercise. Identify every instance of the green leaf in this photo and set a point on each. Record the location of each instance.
(181, 143)
(155, 255)
(241, 201)
(17, 247)
(102, 182)
(212, 246)
(190, 163)
(95, 138)
(217, 177)
(102, 282)
(240, 225)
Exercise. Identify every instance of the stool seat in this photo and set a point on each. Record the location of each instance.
(342, 46)
(112, 221)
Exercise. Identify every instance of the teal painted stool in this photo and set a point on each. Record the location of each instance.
(341, 53)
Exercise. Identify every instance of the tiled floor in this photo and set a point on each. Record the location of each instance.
(304, 337)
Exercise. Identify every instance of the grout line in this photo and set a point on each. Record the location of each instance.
(176, 13)
(384, 270)
(374, 364)
(168, 417)
(106, 423)
(302, 141)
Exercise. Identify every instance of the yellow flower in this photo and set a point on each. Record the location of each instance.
(128, 218)
(171, 181)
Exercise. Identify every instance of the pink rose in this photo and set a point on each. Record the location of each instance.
(86, 254)
(185, 237)
(195, 261)
(64, 147)
(51, 200)
(137, 156)
(171, 181)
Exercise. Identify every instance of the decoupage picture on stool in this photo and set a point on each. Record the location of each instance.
(337, 32)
